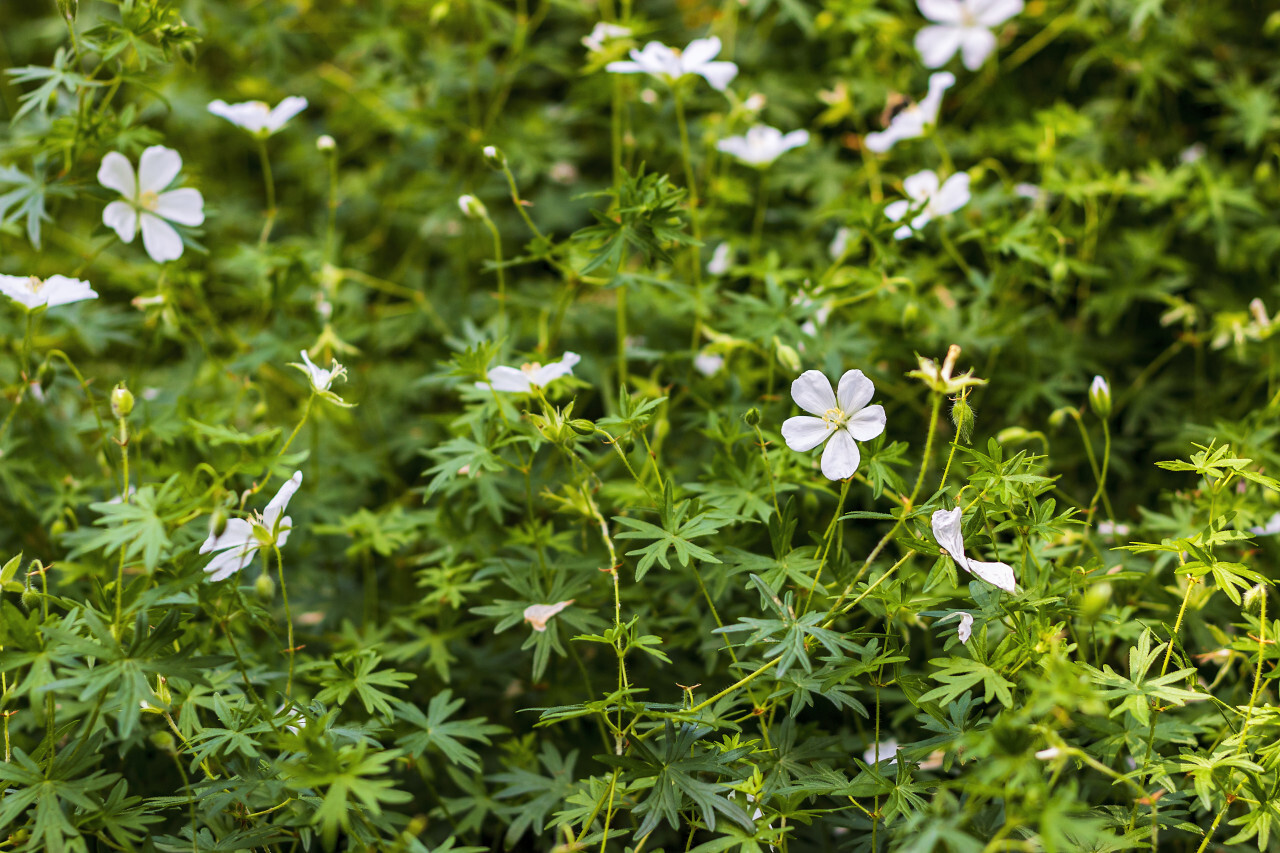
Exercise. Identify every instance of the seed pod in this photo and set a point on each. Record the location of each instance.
(121, 401)
(265, 588)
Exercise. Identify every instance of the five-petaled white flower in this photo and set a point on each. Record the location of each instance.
(762, 144)
(603, 32)
(910, 123)
(946, 530)
(671, 65)
(963, 25)
(523, 379)
(320, 378)
(842, 417)
(242, 538)
(538, 615)
(31, 292)
(259, 118)
(145, 202)
(928, 200)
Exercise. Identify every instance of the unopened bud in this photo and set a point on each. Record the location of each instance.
(787, 356)
(494, 158)
(1013, 434)
(962, 416)
(1100, 397)
(472, 207)
(162, 741)
(751, 416)
(1095, 600)
(1253, 597)
(121, 401)
(1058, 417)
(326, 143)
(265, 588)
(582, 426)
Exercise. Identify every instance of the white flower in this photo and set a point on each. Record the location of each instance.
(31, 292)
(911, 122)
(1193, 153)
(523, 379)
(928, 200)
(840, 242)
(259, 118)
(146, 204)
(762, 144)
(1028, 191)
(321, 379)
(1048, 754)
(965, 629)
(963, 25)
(1271, 528)
(708, 363)
(1111, 528)
(241, 539)
(472, 207)
(720, 260)
(538, 615)
(885, 750)
(671, 65)
(326, 143)
(946, 530)
(602, 33)
(843, 416)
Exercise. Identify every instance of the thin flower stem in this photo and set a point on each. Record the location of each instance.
(827, 539)
(695, 249)
(123, 441)
(1102, 475)
(1177, 623)
(288, 616)
(502, 281)
(768, 469)
(621, 332)
(270, 183)
(757, 225)
(743, 682)
(331, 221)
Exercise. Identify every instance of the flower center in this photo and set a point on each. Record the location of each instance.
(967, 19)
(35, 284)
(530, 367)
(149, 200)
(835, 417)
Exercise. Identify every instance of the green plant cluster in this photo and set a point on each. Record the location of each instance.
(418, 472)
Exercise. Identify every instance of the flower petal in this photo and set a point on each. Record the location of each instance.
(976, 44)
(952, 195)
(812, 392)
(993, 13)
(699, 52)
(855, 391)
(537, 615)
(285, 110)
(841, 457)
(965, 630)
(116, 173)
(185, 206)
(157, 168)
(867, 423)
(237, 532)
(939, 83)
(719, 74)
(121, 217)
(159, 238)
(278, 504)
(544, 375)
(905, 125)
(805, 433)
(996, 574)
(942, 11)
(228, 563)
(62, 290)
(509, 379)
(18, 288)
(937, 44)
(921, 186)
(895, 210)
(625, 67)
(946, 532)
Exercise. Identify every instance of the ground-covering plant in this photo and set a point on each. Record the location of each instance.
(766, 425)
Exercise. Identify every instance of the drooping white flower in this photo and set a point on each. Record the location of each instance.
(538, 615)
(965, 629)
(939, 378)
(946, 530)
(720, 259)
(1271, 528)
(885, 750)
(671, 65)
(321, 379)
(603, 32)
(524, 378)
(1048, 754)
(762, 144)
(928, 200)
(146, 204)
(242, 538)
(963, 25)
(708, 363)
(31, 292)
(257, 117)
(843, 416)
(910, 123)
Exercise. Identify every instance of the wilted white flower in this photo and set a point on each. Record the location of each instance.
(963, 25)
(708, 363)
(839, 242)
(538, 615)
(523, 379)
(720, 259)
(928, 200)
(1271, 528)
(939, 378)
(259, 118)
(671, 65)
(321, 379)
(946, 530)
(1192, 153)
(31, 292)
(965, 629)
(762, 144)
(563, 172)
(911, 122)
(885, 750)
(242, 538)
(146, 205)
(843, 416)
(603, 32)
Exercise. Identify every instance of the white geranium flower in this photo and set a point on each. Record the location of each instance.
(910, 123)
(946, 530)
(260, 119)
(538, 615)
(523, 379)
(603, 32)
(928, 200)
(721, 258)
(965, 629)
(885, 750)
(31, 292)
(1271, 528)
(145, 202)
(963, 25)
(708, 363)
(671, 65)
(843, 416)
(242, 538)
(762, 144)
(321, 379)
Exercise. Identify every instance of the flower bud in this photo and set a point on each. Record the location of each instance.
(217, 522)
(1100, 397)
(751, 416)
(582, 426)
(787, 355)
(1058, 417)
(326, 144)
(1095, 599)
(494, 158)
(472, 207)
(1253, 597)
(162, 741)
(963, 418)
(121, 401)
(265, 588)
(30, 598)
(1013, 434)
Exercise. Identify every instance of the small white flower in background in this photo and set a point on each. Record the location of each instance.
(840, 242)
(1111, 528)
(31, 292)
(321, 379)
(1028, 191)
(603, 32)
(242, 538)
(1258, 309)
(762, 144)
(472, 207)
(293, 720)
(885, 750)
(523, 379)
(671, 65)
(708, 363)
(326, 143)
(260, 119)
(939, 378)
(1271, 528)
(146, 205)
(928, 200)
(1048, 754)
(563, 172)
(843, 416)
(721, 258)
(538, 615)
(820, 309)
(910, 123)
(946, 530)
(1193, 153)
(963, 25)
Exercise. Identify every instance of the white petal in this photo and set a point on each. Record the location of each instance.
(61, 290)
(905, 125)
(939, 83)
(886, 750)
(895, 210)
(840, 458)
(282, 535)
(237, 532)
(185, 206)
(116, 173)
(278, 504)
(624, 67)
(545, 374)
(965, 631)
(18, 288)
(699, 52)
(941, 11)
(922, 185)
(509, 379)
(229, 562)
(937, 44)
(854, 392)
(812, 392)
(903, 233)
(537, 615)
(997, 574)
(946, 531)
(805, 433)
(993, 13)
(976, 44)
(285, 110)
(250, 115)
(866, 424)
(159, 238)
(121, 217)
(952, 195)
(157, 168)
(719, 74)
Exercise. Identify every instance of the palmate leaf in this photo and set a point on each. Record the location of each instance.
(436, 731)
(676, 533)
(26, 199)
(648, 218)
(548, 791)
(958, 675)
(356, 672)
(351, 778)
(50, 79)
(140, 526)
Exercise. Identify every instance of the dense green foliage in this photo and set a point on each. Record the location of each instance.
(736, 632)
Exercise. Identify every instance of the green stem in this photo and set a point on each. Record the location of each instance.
(331, 221)
(502, 280)
(270, 220)
(621, 332)
(288, 616)
(695, 249)
(117, 630)
(757, 225)
(1102, 475)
